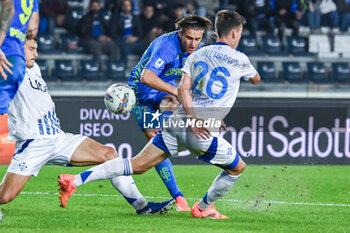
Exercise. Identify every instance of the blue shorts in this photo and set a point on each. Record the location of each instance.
(147, 102)
(9, 87)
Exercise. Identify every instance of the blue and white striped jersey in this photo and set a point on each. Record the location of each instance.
(32, 113)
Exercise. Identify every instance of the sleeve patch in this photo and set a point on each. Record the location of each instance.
(159, 63)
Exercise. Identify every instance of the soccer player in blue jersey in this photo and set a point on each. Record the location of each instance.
(154, 83)
(25, 20)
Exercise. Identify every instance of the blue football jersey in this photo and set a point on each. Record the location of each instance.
(16, 35)
(164, 57)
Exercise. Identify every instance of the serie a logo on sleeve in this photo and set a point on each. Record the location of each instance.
(159, 63)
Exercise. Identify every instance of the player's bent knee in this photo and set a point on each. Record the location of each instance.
(241, 166)
(238, 169)
(6, 198)
(109, 153)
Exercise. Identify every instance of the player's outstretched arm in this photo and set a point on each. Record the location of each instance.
(256, 79)
(186, 100)
(149, 78)
(6, 15)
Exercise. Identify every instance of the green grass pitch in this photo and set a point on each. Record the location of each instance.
(265, 199)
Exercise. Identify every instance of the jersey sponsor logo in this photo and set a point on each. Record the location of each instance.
(173, 71)
(18, 34)
(38, 85)
(159, 63)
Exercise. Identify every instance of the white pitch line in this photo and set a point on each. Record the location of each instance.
(195, 199)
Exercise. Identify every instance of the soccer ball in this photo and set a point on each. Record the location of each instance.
(119, 98)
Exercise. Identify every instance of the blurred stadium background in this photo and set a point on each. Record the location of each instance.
(304, 93)
(298, 115)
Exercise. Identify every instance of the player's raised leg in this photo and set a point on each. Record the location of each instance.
(91, 152)
(145, 160)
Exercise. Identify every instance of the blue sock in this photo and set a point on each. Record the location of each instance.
(166, 173)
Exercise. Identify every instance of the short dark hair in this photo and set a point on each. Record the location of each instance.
(193, 21)
(226, 20)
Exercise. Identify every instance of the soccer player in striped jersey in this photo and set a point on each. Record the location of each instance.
(207, 92)
(35, 128)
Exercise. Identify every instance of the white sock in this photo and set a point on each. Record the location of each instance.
(221, 185)
(106, 170)
(127, 187)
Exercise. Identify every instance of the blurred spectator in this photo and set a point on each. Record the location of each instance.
(105, 4)
(126, 30)
(54, 13)
(329, 14)
(151, 26)
(257, 14)
(192, 6)
(343, 7)
(310, 10)
(162, 8)
(177, 14)
(285, 15)
(93, 34)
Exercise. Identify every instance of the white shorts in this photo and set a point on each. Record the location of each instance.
(215, 150)
(31, 155)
